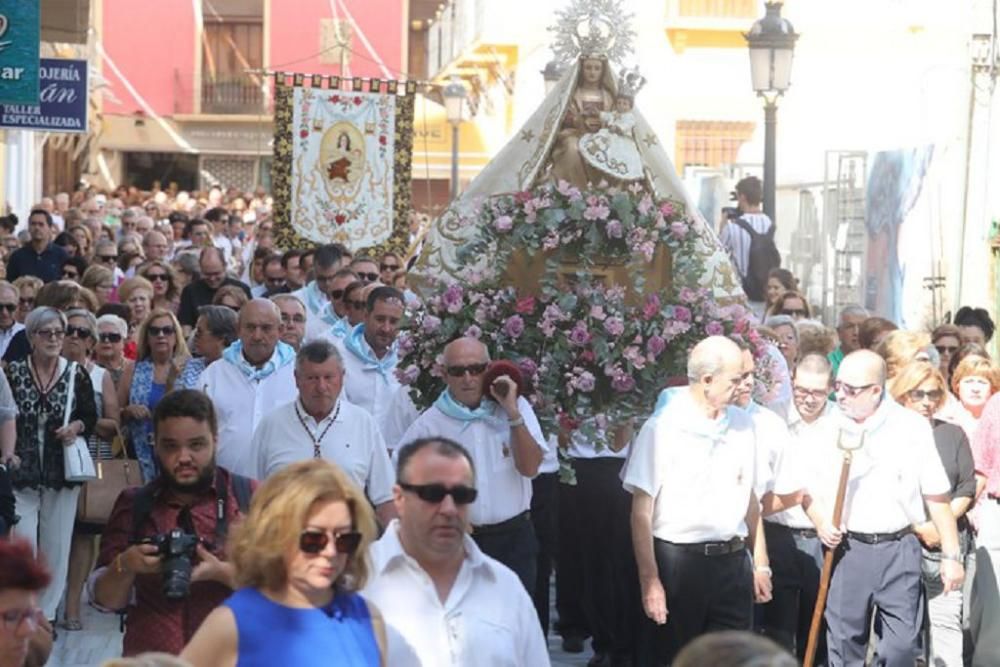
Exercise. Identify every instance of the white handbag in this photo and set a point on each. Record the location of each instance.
(78, 464)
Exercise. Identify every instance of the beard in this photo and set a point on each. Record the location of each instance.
(202, 483)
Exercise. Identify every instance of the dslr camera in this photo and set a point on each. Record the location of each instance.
(176, 548)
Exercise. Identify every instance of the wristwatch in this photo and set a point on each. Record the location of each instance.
(516, 422)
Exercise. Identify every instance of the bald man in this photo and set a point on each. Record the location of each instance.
(896, 472)
(155, 245)
(256, 374)
(692, 474)
(503, 436)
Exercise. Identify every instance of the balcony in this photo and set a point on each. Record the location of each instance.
(709, 23)
(472, 37)
(237, 94)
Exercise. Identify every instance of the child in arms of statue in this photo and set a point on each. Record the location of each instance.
(613, 149)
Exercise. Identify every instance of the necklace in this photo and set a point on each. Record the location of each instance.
(44, 388)
(316, 451)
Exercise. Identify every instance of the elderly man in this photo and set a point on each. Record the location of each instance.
(445, 602)
(40, 257)
(201, 292)
(321, 425)
(693, 470)
(154, 246)
(9, 326)
(255, 374)
(293, 319)
(316, 294)
(503, 437)
(848, 326)
(370, 357)
(895, 473)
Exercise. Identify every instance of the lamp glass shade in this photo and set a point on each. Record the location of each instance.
(760, 69)
(453, 108)
(771, 69)
(782, 71)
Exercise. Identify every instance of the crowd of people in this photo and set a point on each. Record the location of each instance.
(292, 504)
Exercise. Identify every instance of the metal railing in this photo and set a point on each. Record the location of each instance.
(459, 23)
(236, 94)
(725, 9)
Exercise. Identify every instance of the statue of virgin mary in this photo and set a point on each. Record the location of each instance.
(593, 96)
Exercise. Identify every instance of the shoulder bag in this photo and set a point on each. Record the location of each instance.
(78, 465)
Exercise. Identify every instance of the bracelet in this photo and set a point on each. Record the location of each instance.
(516, 422)
(763, 568)
(119, 566)
(952, 557)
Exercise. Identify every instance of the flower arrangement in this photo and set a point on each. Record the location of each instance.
(592, 354)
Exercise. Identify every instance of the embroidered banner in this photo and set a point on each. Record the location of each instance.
(342, 164)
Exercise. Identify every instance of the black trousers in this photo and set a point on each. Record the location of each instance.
(796, 561)
(704, 594)
(515, 546)
(569, 564)
(544, 513)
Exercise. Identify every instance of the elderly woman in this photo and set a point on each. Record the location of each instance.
(101, 281)
(815, 337)
(231, 297)
(792, 304)
(300, 557)
(109, 353)
(27, 287)
(161, 355)
(786, 337)
(186, 269)
(137, 294)
(973, 382)
(25, 634)
(920, 387)
(42, 384)
(166, 294)
(215, 330)
(78, 346)
(873, 331)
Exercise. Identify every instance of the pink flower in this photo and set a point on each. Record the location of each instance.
(655, 346)
(514, 326)
(622, 383)
(679, 230)
(596, 212)
(525, 305)
(714, 329)
(652, 307)
(473, 332)
(579, 335)
(430, 324)
(682, 314)
(452, 299)
(528, 366)
(407, 375)
(645, 204)
(551, 241)
(584, 382)
(547, 327)
(504, 223)
(597, 312)
(667, 209)
(553, 312)
(688, 295)
(614, 326)
(613, 229)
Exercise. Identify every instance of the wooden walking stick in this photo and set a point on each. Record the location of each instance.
(824, 579)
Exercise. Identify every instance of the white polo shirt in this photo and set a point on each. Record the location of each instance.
(401, 415)
(366, 387)
(240, 404)
(503, 491)
(487, 619)
(802, 440)
(700, 472)
(347, 436)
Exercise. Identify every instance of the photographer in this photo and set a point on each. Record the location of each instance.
(162, 554)
(747, 233)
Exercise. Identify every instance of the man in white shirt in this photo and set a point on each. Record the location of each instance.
(315, 295)
(894, 474)
(370, 356)
(736, 240)
(445, 602)
(692, 474)
(505, 441)
(255, 374)
(293, 319)
(321, 424)
(9, 326)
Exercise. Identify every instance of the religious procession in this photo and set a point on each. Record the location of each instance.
(409, 334)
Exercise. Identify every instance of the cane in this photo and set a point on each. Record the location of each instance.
(824, 579)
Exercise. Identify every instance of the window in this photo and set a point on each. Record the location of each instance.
(232, 44)
(710, 143)
(718, 8)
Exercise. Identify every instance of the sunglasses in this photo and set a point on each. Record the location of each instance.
(70, 275)
(367, 277)
(110, 337)
(51, 334)
(107, 259)
(26, 302)
(313, 542)
(388, 267)
(336, 295)
(156, 277)
(82, 333)
(357, 305)
(160, 331)
(794, 312)
(946, 349)
(917, 395)
(471, 369)
(850, 390)
(435, 493)
(9, 307)
(13, 618)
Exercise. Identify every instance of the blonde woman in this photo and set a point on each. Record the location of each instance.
(300, 557)
(900, 347)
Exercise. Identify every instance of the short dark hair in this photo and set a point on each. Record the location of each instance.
(120, 309)
(751, 188)
(191, 224)
(79, 262)
(289, 254)
(967, 316)
(177, 216)
(186, 403)
(327, 255)
(444, 446)
(318, 351)
(383, 293)
(216, 214)
(40, 211)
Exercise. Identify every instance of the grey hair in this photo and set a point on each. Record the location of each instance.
(41, 316)
(278, 298)
(850, 310)
(814, 363)
(115, 321)
(318, 351)
(221, 321)
(87, 315)
(782, 321)
(4, 285)
(104, 244)
(709, 357)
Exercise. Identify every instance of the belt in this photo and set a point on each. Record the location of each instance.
(503, 526)
(712, 548)
(800, 532)
(878, 538)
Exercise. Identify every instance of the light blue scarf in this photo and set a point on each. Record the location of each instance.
(329, 316)
(447, 404)
(283, 355)
(355, 342)
(342, 328)
(315, 300)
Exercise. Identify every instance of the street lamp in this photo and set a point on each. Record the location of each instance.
(454, 105)
(772, 42)
(552, 73)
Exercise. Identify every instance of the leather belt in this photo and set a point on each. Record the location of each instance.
(801, 532)
(879, 538)
(712, 548)
(503, 526)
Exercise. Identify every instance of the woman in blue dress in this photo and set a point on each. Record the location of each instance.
(300, 556)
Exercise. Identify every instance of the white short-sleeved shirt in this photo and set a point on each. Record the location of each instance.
(352, 441)
(487, 619)
(581, 447)
(889, 475)
(240, 404)
(503, 491)
(401, 415)
(700, 472)
(366, 387)
(772, 437)
(802, 439)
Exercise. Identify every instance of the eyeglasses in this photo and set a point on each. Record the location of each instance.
(850, 390)
(357, 305)
(82, 333)
(336, 294)
(70, 275)
(917, 395)
(815, 394)
(367, 277)
(793, 312)
(26, 302)
(110, 337)
(156, 277)
(435, 493)
(388, 267)
(297, 319)
(51, 334)
(946, 349)
(9, 307)
(314, 541)
(160, 331)
(471, 369)
(13, 618)
(107, 259)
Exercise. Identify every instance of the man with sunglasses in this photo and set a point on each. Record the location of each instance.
(894, 475)
(503, 436)
(365, 269)
(200, 292)
(445, 601)
(192, 493)
(9, 326)
(326, 262)
(40, 257)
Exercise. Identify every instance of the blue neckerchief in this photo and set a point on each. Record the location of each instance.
(329, 316)
(463, 413)
(315, 300)
(283, 355)
(342, 328)
(355, 342)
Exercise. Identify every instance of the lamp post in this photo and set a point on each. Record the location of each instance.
(772, 42)
(552, 73)
(454, 104)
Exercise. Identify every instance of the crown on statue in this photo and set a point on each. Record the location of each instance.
(630, 82)
(593, 29)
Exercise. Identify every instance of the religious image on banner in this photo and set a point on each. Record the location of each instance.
(342, 165)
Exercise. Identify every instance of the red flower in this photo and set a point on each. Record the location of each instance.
(382, 139)
(588, 357)
(335, 98)
(567, 423)
(357, 100)
(340, 218)
(525, 305)
(304, 133)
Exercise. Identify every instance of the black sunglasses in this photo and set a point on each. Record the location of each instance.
(388, 267)
(358, 305)
(313, 542)
(160, 331)
(435, 493)
(79, 332)
(110, 337)
(9, 307)
(108, 259)
(472, 369)
(70, 275)
(917, 395)
(368, 277)
(849, 389)
(796, 312)
(27, 302)
(336, 294)
(157, 277)
(946, 349)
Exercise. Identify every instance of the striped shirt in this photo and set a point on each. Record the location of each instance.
(737, 241)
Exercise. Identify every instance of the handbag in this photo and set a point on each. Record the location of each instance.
(114, 475)
(78, 465)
